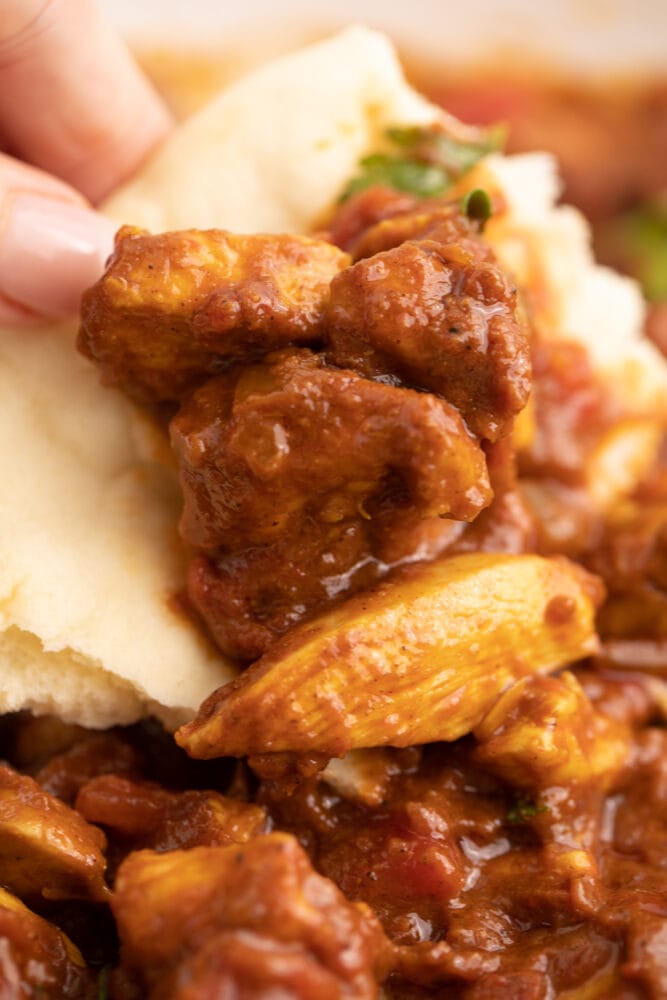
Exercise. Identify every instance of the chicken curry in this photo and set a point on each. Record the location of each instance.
(442, 770)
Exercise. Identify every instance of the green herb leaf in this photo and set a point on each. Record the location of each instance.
(422, 179)
(524, 809)
(426, 162)
(456, 156)
(406, 136)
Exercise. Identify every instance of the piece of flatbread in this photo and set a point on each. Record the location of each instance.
(90, 564)
(89, 558)
(272, 152)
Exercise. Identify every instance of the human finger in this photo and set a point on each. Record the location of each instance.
(53, 245)
(72, 100)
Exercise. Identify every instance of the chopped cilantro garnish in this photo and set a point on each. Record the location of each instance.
(523, 809)
(426, 160)
(456, 156)
(413, 176)
(476, 204)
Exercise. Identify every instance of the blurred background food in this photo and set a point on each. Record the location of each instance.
(585, 79)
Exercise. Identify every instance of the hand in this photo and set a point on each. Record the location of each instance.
(78, 117)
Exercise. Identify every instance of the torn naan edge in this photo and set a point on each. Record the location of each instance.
(89, 557)
(274, 151)
(90, 562)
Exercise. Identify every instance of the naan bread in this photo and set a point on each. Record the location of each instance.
(89, 558)
(90, 562)
(274, 151)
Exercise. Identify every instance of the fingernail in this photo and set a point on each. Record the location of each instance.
(50, 252)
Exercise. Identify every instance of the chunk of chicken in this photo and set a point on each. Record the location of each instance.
(420, 659)
(46, 848)
(37, 959)
(175, 308)
(363, 210)
(441, 221)
(293, 472)
(144, 814)
(544, 737)
(544, 731)
(265, 450)
(247, 922)
(251, 597)
(435, 316)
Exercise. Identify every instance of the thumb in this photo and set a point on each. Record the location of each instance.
(52, 245)
(72, 100)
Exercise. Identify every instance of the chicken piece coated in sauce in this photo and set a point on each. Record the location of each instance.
(47, 849)
(251, 597)
(437, 316)
(139, 814)
(37, 959)
(174, 308)
(290, 469)
(247, 921)
(442, 221)
(363, 211)
(418, 659)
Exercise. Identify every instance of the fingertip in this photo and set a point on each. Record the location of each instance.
(72, 99)
(106, 165)
(51, 250)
